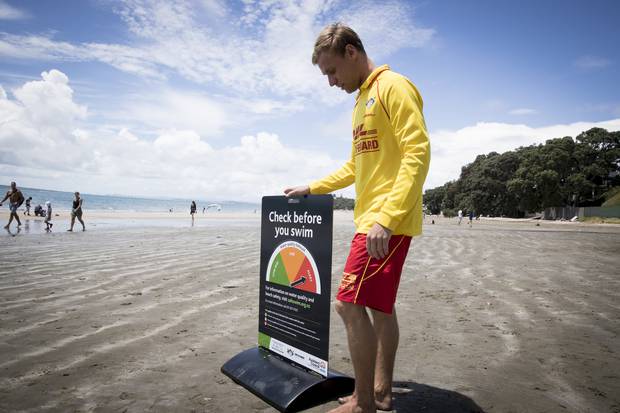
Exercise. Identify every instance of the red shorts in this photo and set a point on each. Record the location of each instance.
(370, 282)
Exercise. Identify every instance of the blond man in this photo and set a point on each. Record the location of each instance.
(390, 156)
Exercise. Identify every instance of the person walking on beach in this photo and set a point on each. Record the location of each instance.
(27, 211)
(48, 216)
(460, 216)
(16, 199)
(471, 218)
(192, 210)
(389, 162)
(76, 212)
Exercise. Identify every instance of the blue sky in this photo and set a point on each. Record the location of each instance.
(220, 98)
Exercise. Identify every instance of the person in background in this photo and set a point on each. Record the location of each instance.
(471, 218)
(460, 216)
(27, 211)
(48, 216)
(39, 211)
(76, 212)
(192, 210)
(16, 198)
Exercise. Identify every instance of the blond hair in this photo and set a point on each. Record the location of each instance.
(335, 38)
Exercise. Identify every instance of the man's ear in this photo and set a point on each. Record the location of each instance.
(350, 51)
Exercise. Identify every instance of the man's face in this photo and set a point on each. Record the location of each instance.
(341, 71)
(13, 186)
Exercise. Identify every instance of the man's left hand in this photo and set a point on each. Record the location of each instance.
(378, 241)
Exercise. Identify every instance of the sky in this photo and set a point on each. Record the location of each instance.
(219, 100)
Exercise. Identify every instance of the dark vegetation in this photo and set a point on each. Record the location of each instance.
(343, 203)
(584, 171)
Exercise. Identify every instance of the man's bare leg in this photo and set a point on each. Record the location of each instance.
(363, 348)
(10, 220)
(19, 223)
(72, 222)
(386, 328)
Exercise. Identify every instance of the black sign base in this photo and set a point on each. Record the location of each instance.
(283, 385)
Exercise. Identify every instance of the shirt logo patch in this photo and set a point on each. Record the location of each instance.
(370, 102)
(365, 140)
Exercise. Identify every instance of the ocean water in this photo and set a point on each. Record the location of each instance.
(62, 201)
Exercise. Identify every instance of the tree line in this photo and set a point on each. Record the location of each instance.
(560, 172)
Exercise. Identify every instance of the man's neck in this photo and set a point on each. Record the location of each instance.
(368, 68)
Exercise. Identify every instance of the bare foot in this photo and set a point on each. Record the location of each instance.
(70, 230)
(6, 227)
(382, 402)
(351, 406)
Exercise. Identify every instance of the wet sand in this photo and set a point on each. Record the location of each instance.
(504, 317)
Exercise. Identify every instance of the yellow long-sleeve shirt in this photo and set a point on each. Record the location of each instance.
(390, 155)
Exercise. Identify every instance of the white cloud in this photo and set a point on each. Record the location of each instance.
(591, 62)
(452, 150)
(170, 109)
(125, 58)
(43, 142)
(209, 115)
(394, 32)
(8, 12)
(523, 111)
(263, 52)
(37, 124)
(215, 7)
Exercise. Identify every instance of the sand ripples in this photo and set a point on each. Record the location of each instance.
(115, 299)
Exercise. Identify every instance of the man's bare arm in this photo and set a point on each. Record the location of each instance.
(8, 194)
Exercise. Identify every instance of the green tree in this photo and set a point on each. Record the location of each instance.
(562, 171)
(433, 199)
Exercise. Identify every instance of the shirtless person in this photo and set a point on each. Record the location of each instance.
(16, 199)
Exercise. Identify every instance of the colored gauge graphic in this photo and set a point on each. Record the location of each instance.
(292, 265)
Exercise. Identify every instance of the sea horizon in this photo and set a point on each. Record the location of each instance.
(62, 201)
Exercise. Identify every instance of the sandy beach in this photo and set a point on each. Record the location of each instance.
(139, 314)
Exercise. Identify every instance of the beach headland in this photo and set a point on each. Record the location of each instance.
(506, 316)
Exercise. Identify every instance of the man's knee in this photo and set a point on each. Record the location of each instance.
(348, 310)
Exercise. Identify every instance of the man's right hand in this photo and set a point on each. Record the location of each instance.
(297, 191)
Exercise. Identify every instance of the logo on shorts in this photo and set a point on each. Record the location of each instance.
(348, 281)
